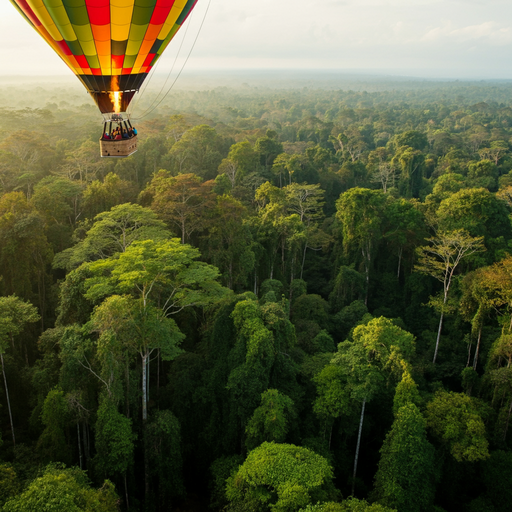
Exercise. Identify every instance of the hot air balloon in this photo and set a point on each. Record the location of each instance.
(111, 46)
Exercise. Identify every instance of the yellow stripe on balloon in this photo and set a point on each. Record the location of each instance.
(178, 6)
(121, 12)
(42, 13)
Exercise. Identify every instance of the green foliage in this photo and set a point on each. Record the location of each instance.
(101, 196)
(406, 475)
(220, 470)
(333, 394)
(310, 307)
(166, 268)
(349, 317)
(349, 505)
(112, 233)
(271, 420)
(60, 489)
(15, 314)
(454, 419)
(114, 440)
(200, 150)
(280, 477)
(496, 474)
(406, 393)
(271, 286)
(164, 446)
(385, 342)
(52, 444)
(477, 211)
(9, 484)
(24, 249)
(318, 193)
(413, 138)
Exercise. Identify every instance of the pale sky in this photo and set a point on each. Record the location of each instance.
(424, 38)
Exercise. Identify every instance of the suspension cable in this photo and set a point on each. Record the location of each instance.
(146, 83)
(147, 112)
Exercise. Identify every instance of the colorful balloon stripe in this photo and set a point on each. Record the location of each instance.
(109, 44)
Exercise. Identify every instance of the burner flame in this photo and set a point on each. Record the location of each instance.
(116, 95)
(115, 98)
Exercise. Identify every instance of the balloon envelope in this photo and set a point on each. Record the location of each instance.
(111, 45)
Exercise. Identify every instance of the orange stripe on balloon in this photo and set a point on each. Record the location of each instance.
(152, 33)
(101, 32)
(103, 48)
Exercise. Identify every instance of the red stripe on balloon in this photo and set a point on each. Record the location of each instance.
(23, 5)
(99, 15)
(99, 11)
(148, 60)
(82, 61)
(97, 3)
(64, 47)
(117, 61)
(162, 9)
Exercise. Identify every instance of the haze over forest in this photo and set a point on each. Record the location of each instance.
(255, 302)
(296, 296)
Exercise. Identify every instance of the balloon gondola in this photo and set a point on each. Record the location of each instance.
(111, 46)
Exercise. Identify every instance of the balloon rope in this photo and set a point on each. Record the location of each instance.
(155, 67)
(182, 67)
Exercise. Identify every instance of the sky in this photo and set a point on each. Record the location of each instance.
(457, 39)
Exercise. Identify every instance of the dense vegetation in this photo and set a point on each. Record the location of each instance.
(290, 300)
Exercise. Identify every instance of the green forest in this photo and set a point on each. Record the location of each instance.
(290, 299)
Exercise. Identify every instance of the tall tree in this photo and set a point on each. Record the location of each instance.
(406, 475)
(378, 347)
(15, 314)
(160, 279)
(112, 233)
(456, 423)
(441, 258)
(229, 243)
(288, 476)
(360, 212)
(182, 201)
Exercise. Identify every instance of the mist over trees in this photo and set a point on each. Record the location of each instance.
(290, 298)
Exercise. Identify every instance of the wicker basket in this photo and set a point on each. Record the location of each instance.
(118, 148)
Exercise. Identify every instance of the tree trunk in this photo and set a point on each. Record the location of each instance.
(79, 444)
(303, 259)
(438, 336)
(85, 437)
(366, 259)
(127, 389)
(144, 388)
(399, 261)
(145, 358)
(475, 359)
(470, 344)
(291, 272)
(126, 492)
(158, 374)
(8, 400)
(508, 420)
(356, 458)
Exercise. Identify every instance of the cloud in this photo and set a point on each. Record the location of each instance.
(487, 32)
(443, 34)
